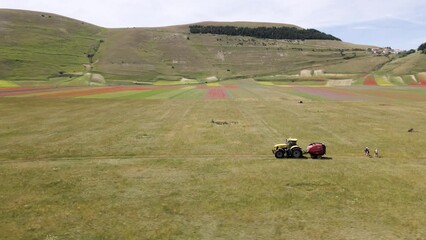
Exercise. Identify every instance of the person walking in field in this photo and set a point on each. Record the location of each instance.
(376, 152)
(367, 152)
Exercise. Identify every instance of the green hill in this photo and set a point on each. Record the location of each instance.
(36, 46)
(172, 52)
(411, 64)
(48, 48)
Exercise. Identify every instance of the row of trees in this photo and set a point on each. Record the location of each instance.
(422, 48)
(264, 32)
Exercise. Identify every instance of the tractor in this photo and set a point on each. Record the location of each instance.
(289, 149)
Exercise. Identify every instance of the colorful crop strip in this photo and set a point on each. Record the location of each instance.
(94, 91)
(147, 93)
(34, 91)
(369, 80)
(422, 79)
(221, 86)
(216, 93)
(76, 91)
(392, 94)
(410, 80)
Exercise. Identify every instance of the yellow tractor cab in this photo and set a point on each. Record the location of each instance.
(289, 149)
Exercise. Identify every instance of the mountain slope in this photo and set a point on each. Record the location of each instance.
(149, 53)
(411, 64)
(37, 45)
(40, 46)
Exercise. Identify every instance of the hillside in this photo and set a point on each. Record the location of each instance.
(172, 53)
(411, 64)
(49, 48)
(36, 46)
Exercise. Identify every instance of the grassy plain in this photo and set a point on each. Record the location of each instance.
(140, 168)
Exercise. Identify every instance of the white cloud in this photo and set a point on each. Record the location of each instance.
(306, 13)
(362, 27)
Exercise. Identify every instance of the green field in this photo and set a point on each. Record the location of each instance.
(151, 164)
(114, 134)
(7, 84)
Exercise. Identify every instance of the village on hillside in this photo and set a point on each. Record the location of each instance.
(384, 51)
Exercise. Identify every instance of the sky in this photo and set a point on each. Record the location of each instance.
(400, 24)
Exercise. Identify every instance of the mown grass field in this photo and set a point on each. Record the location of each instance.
(148, 162)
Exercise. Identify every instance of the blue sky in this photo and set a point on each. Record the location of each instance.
(399, 24)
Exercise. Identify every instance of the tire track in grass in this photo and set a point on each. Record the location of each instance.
(171, 94)
(113, 95)
(296, 91)
(250, 86)
(165, 93)
(192, 94)
(249, 118)
(242, 94)
(325, 128)
(124, 159)
(86, 92)
(328, 93)
(258, 92)
(148, 94)
(257, 120)
(177, 120)
(277, 92)
(334, 135)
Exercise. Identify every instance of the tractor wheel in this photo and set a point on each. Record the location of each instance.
(279, 154)
(296, 153)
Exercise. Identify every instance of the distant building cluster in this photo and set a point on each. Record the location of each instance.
(384, 51)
